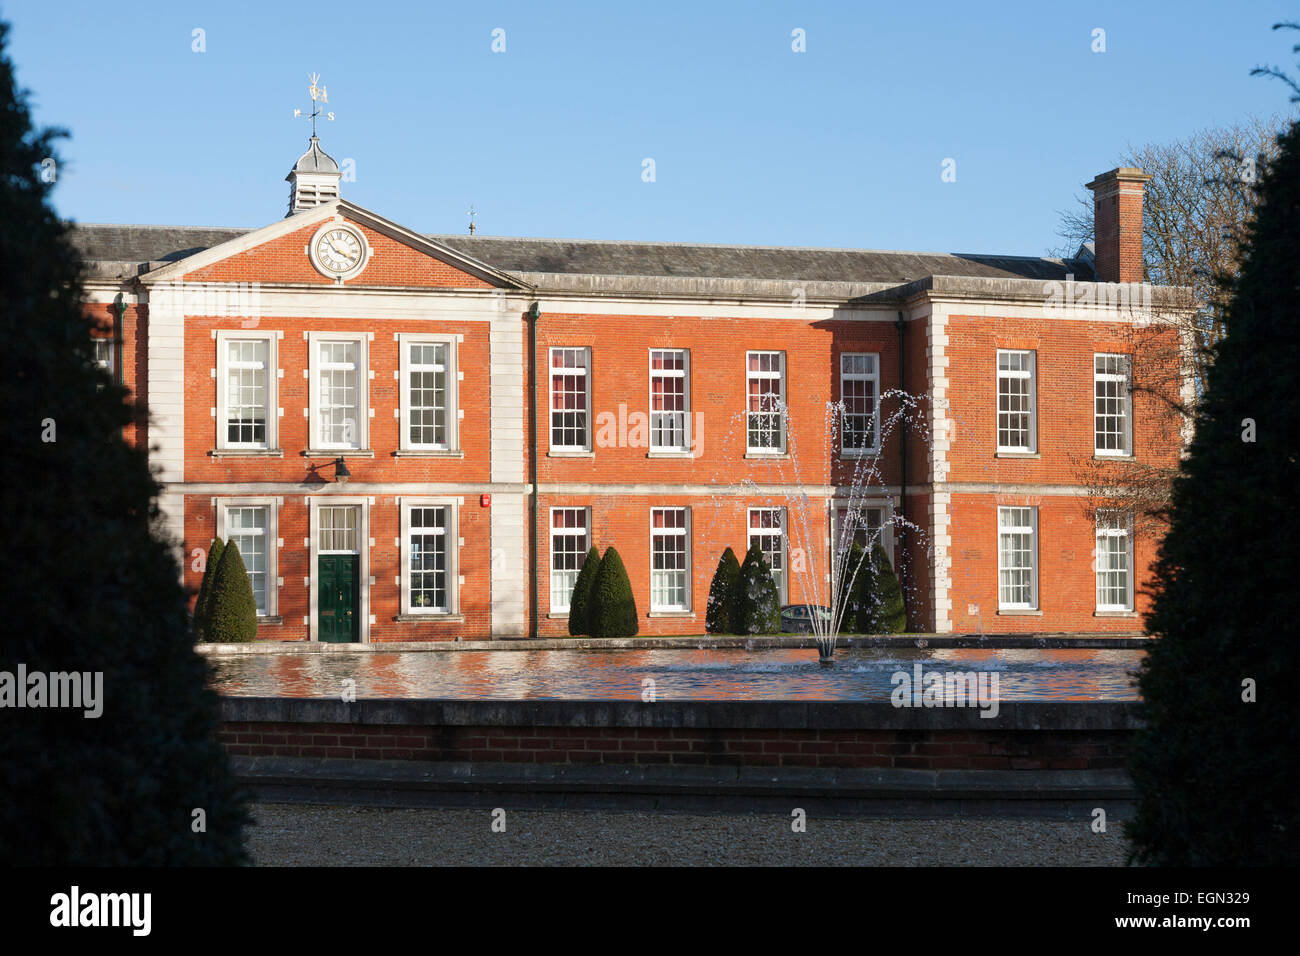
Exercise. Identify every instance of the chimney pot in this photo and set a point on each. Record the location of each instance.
(1117, 228)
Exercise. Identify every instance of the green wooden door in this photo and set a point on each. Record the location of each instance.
(336, 607)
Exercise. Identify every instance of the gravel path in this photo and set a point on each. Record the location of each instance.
(297, 835)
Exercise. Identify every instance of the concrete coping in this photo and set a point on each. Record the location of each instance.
(685, 715)
(689, 642)
(841, 293)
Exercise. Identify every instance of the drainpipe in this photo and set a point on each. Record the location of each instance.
(534, 315)
(118, 339)
(902, 445)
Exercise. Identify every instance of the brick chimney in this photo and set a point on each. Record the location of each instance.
(1117, 229)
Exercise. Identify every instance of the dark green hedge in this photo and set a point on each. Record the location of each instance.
(580, 601)
(205, 587)
(1217, 776)
(887, 613)
(613, 608)
(758, 607)
(720, 615)
(87, 585)
(232, 610)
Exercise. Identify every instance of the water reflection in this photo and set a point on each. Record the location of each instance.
(714, 674)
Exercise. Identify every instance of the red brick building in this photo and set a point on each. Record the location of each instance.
(418, 437)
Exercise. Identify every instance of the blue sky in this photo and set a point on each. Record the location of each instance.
(840, 146)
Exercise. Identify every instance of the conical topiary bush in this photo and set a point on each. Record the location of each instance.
(612, 612)
(720, 615)
(886, 611)
(205, 587)
(854, 585)
(580, 601)
(232, 609)
(758, 606)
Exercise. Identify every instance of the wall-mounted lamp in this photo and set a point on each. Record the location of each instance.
(341, 473)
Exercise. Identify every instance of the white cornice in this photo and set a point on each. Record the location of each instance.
(356, 302)
(107, 291)
(587, 489)
(711, 308)
(333, 489)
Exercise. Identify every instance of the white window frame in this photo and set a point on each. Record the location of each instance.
(780, 413)
(224, 337)
(273, 543)
(314, 504)
(1125, 381)
(1032, 530)
(362, 340)
(1114, 523)
(684, 533)
(886, 508)
(783, 588)
(585, 372)
(355, 549)
(404, 341)
(685, 375)
(874, 378)
(111, 367)
(550, 552)
(1031, 375)
(451, 535)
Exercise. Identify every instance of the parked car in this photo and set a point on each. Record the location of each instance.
(799, 618)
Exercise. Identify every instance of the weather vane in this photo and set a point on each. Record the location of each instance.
(471, 215)
(318, 97)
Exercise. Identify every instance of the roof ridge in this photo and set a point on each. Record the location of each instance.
(154, 225)
(442, 237)
(733, 245)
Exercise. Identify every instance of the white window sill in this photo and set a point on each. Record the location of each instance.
(1019, 612)
(431, 617)
(339, 453)
(246, 453)
(1114, 614)
(684, 615)
(562, 453)
(429, 453)
(1102, 456)
(771, 455)
(670, 454)
(558, 616)
(269, 619)
(1017, 454)
(859, 452)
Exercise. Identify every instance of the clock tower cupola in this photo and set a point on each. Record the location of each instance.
(314, 179)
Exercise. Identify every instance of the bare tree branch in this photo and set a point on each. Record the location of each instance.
(1198, 208)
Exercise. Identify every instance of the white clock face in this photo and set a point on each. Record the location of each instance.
(339, 250)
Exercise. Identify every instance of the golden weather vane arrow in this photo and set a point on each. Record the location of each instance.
(319, 97)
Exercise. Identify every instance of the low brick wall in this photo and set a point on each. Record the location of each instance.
(1024, 736)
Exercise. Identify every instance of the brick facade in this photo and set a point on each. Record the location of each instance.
(950, 489)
